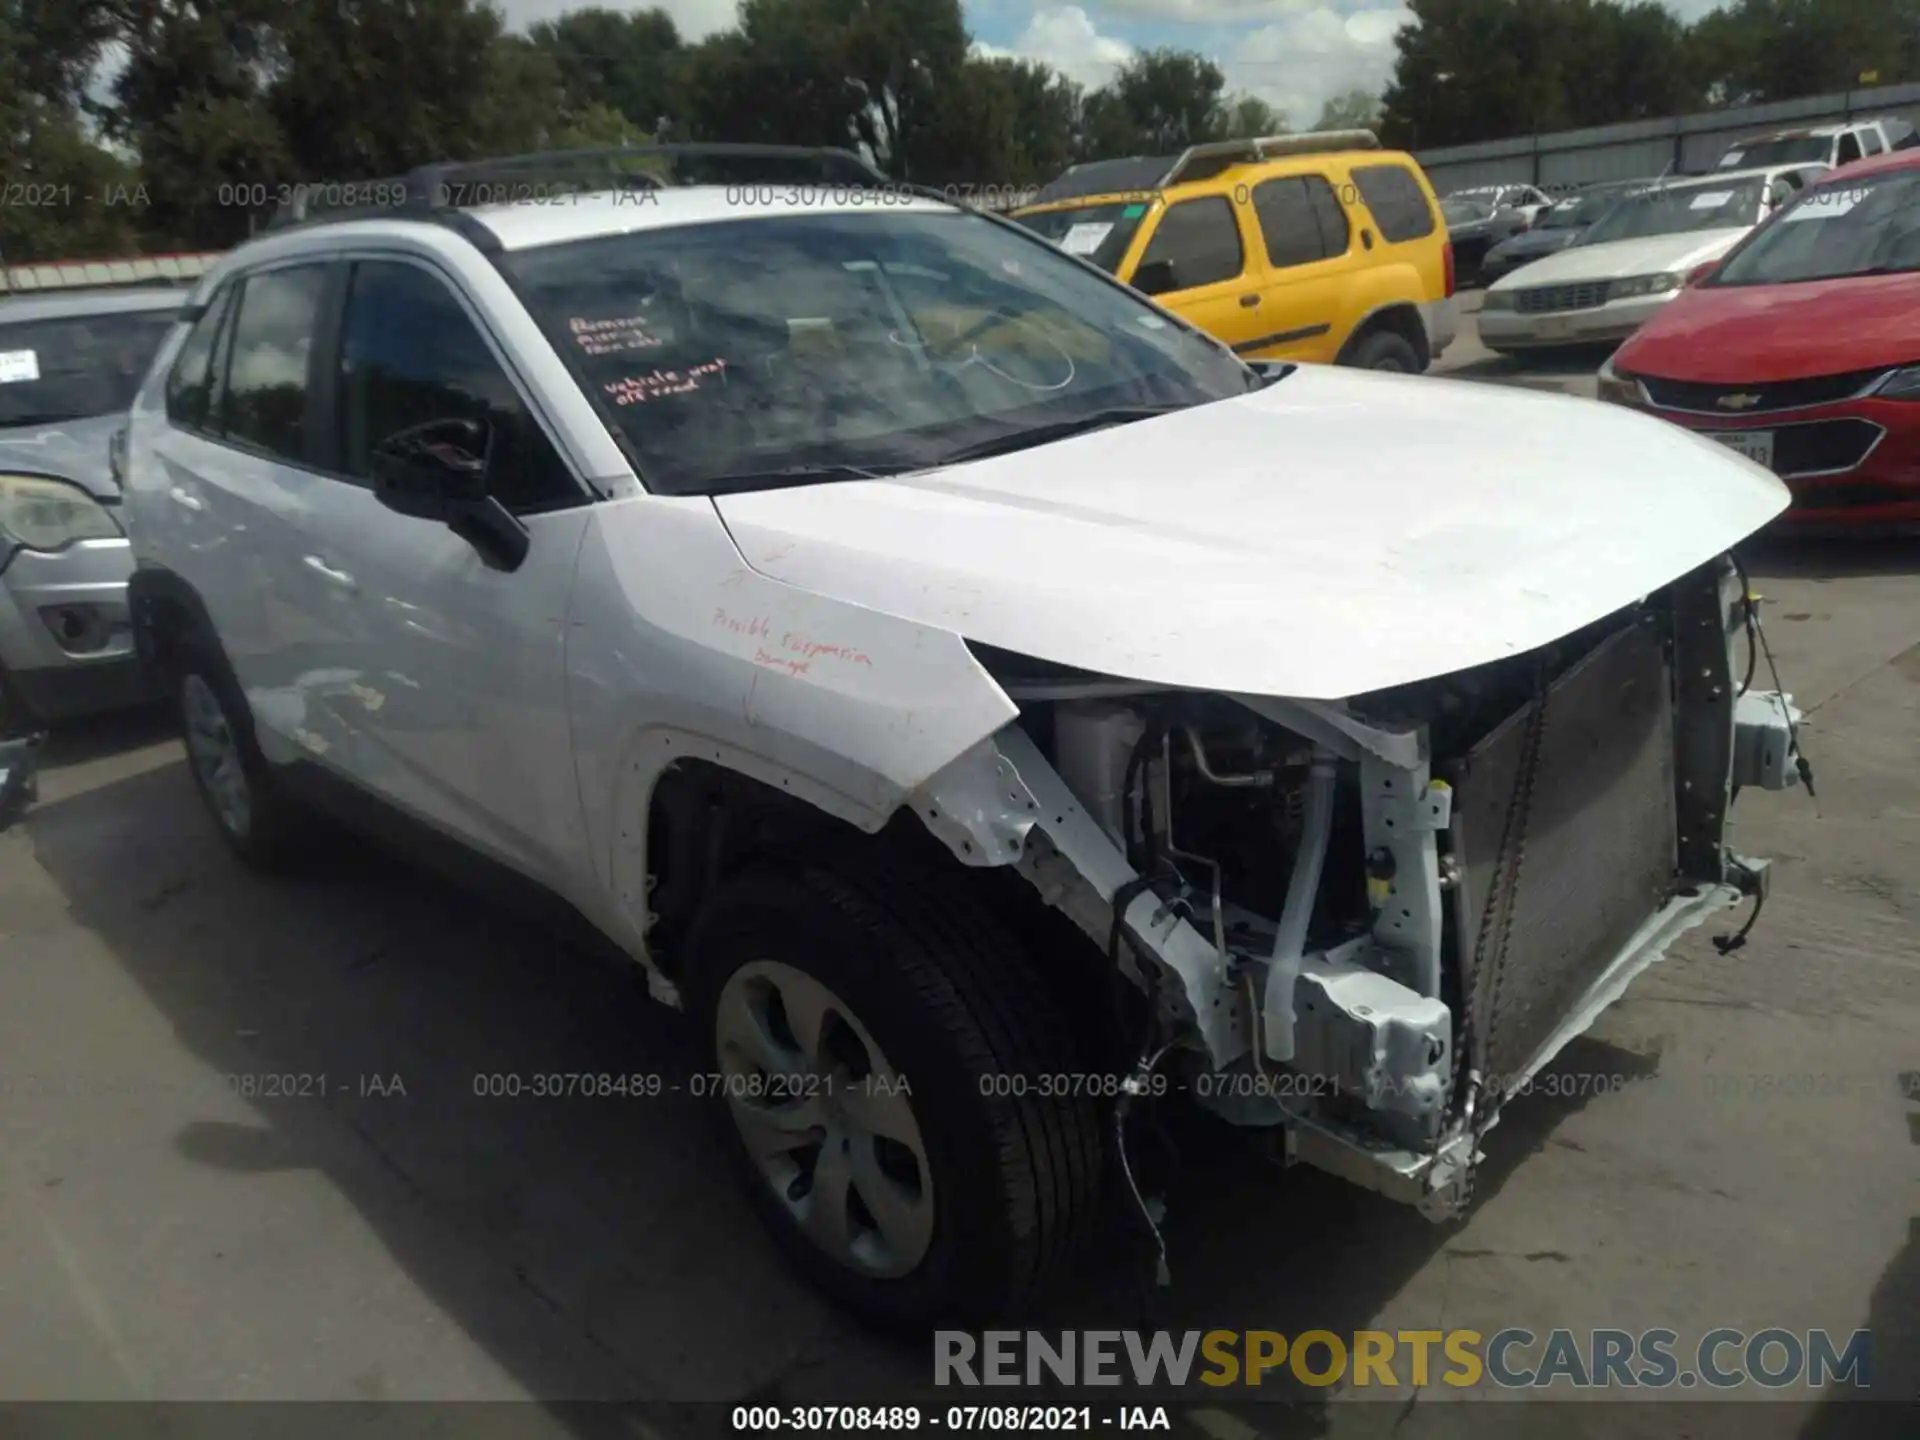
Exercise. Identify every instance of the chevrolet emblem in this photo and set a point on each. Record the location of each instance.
(1738, 402)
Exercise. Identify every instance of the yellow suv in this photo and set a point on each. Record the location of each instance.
(1320, 247)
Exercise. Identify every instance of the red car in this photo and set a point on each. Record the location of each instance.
(1801, 348)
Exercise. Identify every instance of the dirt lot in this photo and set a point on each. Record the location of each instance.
(162, 1235)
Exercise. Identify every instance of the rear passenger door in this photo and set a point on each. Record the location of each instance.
(455, 707)
(1217, 273)
(1308, 241)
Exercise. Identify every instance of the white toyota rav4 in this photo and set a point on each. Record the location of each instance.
(985, 704)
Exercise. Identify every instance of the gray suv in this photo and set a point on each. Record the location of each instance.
(69, 367)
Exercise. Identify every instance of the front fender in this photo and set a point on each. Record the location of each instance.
(677, 649)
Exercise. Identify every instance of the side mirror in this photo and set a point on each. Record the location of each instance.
(438, 471)
(1700, 274)
(1156, 277)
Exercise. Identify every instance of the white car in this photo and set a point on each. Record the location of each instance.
(984, 703)
(1529, 202)
(1633, 260)
(1829, 145)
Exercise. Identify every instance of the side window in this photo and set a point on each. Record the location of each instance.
(266, 374)
(1398, 203)
(1202, 239)
(1870, 142)
(190, 382)
(1849, 149)
(1300, 219)
(410, 353)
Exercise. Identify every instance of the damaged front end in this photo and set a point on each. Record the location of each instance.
(1372, 922)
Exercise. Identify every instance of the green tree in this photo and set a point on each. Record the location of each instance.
(1172, 98)
(1355, 110)
(191, 101)
(1249, 117)
(371, 88)
(628, 62)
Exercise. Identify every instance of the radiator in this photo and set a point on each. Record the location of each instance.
(1553, 882)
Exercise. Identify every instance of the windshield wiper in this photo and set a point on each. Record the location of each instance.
(1056, 430)
(787, 475)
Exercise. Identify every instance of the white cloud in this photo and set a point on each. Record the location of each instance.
(1300, 62)
(696, 19)
(1065, 38)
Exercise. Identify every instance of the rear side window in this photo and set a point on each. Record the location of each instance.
(273, 333)
(1870, 142)
(1300, 220)
(1398, 203)
(190, 384)
(1202, 239)
(409, 354)
(1849, 149)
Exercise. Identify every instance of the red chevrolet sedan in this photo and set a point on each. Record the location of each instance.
(1801, 349)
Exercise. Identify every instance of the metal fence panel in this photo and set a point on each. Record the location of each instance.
(1687, 143)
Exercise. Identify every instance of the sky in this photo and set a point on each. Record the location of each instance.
(1294, 54)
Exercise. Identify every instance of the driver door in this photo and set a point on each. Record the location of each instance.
(1207, 248)
(451, 704)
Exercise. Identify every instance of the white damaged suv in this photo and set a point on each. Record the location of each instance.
(985, 704)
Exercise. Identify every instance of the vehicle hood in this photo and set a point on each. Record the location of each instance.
(1335, 533)
(1651, 255)
(1535, 242)
(1740, 334)
(74, 450)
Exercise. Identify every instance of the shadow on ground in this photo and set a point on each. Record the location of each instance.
(613, 1221)
(1826, 558)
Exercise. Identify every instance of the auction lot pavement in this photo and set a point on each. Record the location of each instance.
(1742, 1152)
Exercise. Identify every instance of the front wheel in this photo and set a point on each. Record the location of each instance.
(887, 1070)
(1385, 350)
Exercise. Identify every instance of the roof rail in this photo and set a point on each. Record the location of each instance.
(453, 185)
(1266, 147)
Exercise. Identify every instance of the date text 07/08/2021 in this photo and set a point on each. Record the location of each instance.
(976, 1419)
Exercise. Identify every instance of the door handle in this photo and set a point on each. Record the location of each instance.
(328, 573)
(186, 501)
(1247, 302)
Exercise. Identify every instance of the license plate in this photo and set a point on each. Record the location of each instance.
(1554, 327)
(1756, 445)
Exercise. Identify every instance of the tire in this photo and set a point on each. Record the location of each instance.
(1384, 350)
(990, 1190)
(16, 719)
(261, 824)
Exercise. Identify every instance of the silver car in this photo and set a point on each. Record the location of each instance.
(69, 367)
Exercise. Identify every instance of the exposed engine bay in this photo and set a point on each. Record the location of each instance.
(1372, 921)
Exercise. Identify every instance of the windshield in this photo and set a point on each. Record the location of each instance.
(77, 366)
(1870, 227)
(1096, 233)
(1674, 210)
(874, 341)
(1788, 150)
(1582, 210)
(1463, 212)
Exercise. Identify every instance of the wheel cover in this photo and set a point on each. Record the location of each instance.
(826, 1119)
(215, 753)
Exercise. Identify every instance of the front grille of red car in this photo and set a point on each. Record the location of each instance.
(1756, 399)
